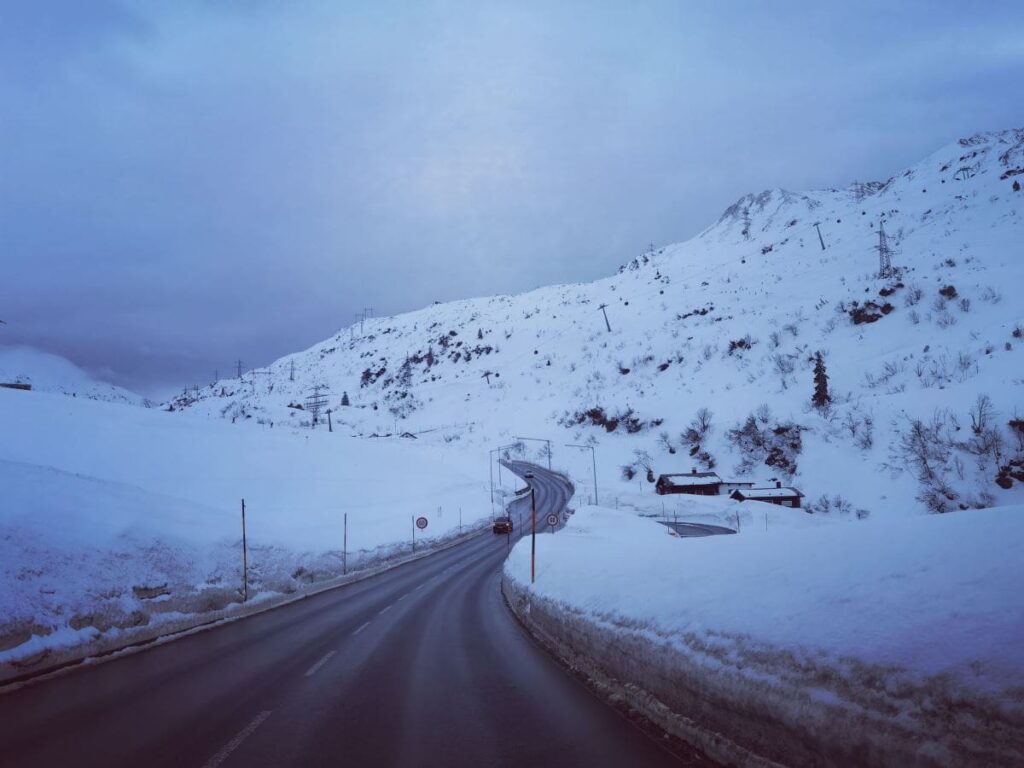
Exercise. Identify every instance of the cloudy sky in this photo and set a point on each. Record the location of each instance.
(183, 184)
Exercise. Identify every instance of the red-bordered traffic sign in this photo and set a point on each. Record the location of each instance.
(552, 520)
(421, 523)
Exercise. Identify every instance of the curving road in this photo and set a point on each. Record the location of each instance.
(422, 665)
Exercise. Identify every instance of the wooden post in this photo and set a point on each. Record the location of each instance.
(330, 427)
(820, 238)
(344, 553)
(460, 521)
(245, 559)
(607, 324)
(414, 533)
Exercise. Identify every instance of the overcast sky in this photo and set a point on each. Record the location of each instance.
(186, 183)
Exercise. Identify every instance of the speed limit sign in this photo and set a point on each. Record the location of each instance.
(552, 520)
(421, 523)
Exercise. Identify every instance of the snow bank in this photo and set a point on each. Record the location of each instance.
(868, 642)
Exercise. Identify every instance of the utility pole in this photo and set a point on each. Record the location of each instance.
(820, 238)
(344, 551)
(291, 373)
(245, 559)
(238, 364)
(593, 458)
(315, 402)
(607, 324)
(885, 268)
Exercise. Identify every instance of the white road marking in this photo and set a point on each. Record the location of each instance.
(403, 597)
(364, 626)
(421, 586)
(382, 610)
(234, 744)
(315, 668)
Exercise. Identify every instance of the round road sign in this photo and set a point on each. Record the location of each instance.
(421, 523)
(552, 520)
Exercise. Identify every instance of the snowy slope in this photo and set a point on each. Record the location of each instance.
(52, 373)
(730, 321)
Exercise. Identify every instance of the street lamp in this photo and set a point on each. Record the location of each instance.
(540, 440)
(490, 466)
(593, 457)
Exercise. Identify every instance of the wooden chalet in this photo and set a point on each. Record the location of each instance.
(696, 483)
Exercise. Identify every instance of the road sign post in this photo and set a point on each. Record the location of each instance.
(417, 522)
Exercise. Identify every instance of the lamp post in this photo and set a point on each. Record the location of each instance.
(540, 440)
(502, 448)
(490, 466)
(593, 458)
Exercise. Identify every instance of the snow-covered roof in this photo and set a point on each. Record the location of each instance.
(769, 493)
(694, 478)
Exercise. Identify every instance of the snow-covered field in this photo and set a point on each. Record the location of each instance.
(904, 619)
(113, 516)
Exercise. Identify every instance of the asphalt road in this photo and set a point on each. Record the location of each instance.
(420, 666)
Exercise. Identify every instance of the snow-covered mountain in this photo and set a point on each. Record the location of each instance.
(51, 373)
(731, 321)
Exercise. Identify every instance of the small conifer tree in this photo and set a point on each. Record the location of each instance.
(821, 397)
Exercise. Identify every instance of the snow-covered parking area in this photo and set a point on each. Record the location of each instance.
(866, 638)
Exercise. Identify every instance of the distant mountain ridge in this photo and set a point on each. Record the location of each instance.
(46, 372)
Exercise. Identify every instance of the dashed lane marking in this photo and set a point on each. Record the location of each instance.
(361, 628)
(236, 742)
(315, 668)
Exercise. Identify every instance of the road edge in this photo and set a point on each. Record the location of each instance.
(627, 697)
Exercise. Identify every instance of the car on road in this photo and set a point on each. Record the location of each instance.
(502, 525)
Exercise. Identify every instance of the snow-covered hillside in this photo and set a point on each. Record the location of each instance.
(52, 373)
(730, 321)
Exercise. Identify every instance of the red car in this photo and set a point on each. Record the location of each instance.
(502, 525)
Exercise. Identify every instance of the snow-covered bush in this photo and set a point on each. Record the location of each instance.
(777, 446)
